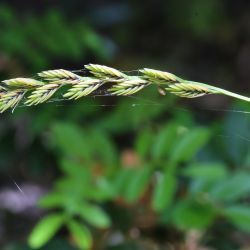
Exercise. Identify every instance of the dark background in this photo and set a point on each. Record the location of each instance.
(206, 41)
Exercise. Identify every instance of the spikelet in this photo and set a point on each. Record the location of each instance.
(128, 87)
(159, 77)
(10, 99)
(57, 74)
(188, 90)
(41, 94)
(85, 87)
(22, 83)
(101, 71)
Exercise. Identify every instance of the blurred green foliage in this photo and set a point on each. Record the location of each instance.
(141, 172)
(37, 41)
(93, 176)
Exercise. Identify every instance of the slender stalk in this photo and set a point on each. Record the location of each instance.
(221, 91)
(237, 96)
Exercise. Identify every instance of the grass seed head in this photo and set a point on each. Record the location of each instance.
(57, 74)
(101, 71)
(22, 83)
(32, 92)
(159, 77)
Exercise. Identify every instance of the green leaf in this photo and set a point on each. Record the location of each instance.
(239, 215)
(232, 188)
(189, 144)
(143, 143)
(45, 230)
(94, 215)
(103, 148)
(105, 186)
(164, 141)
(121, 180)
(164, 192)
(201, 185)
(81, 234)
(71, 140)
(208, 171)
(98, 194)
(52, 200)
(75, 170)
(189, 214)
(72, 188)
(137, 184)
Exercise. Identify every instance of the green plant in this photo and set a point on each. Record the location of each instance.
(165, 159)
(41, 90)
(23, 38)
(79, 193)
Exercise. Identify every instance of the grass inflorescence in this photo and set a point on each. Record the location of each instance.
(31, 91)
